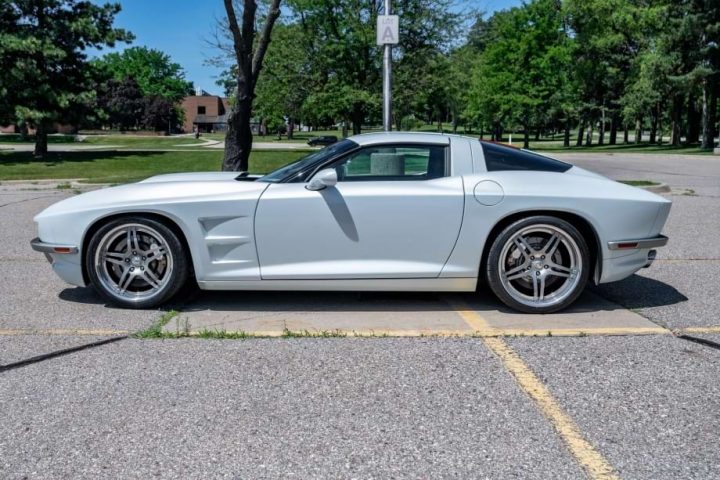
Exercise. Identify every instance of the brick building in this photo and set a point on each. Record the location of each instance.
(208, 113)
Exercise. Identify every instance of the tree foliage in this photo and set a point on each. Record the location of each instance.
(154, 71)
(45, 76)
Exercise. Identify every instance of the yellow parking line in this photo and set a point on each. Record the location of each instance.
(711, 329)
(60, 331)
(584, 452)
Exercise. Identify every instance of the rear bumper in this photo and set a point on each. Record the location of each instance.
(639, 244)
(633, 255)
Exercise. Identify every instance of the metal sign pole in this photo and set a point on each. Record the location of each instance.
(387, 80)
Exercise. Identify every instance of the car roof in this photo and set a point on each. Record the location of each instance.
(403, 137)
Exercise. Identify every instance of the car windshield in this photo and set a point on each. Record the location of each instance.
(314, 158)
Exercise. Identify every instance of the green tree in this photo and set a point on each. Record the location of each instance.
(339, 38)
(282, 89)
(122, 102)
(46, 77)
(248, 50)
(153, 70)
(518, 80)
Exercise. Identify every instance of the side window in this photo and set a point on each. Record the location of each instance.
(500, 158)
(393, 162)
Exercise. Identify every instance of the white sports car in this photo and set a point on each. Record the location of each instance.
(381, 211)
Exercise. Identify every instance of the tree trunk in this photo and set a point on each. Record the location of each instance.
(250, 46)
(41, 148)
(626, 134)
(238, 140)
(291, 128)
(638, 130)
(709, 104)
(357, 118)
(675, 120)
(454, 120)
(653, 128)
(693, 122)
(581, 133)
(566, 135)
(589, 139)
(526, 137)
(24, 134)
(613, 128)
(601, 140)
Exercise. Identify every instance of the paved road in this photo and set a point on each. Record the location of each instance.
(645, 407)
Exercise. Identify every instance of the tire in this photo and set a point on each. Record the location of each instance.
(538, 264)
(136, 262)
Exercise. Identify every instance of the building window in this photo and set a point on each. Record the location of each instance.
(201, 110)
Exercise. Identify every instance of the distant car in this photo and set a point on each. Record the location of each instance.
(381, 211)
(324, 140)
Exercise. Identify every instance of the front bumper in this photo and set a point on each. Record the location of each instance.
(65, 260)
(40, 246)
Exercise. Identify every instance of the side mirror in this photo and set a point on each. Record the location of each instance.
(323, 179)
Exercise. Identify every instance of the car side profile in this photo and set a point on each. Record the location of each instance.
(382, 212)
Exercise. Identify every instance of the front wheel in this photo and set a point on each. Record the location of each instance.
(136, 262)
(538, 264)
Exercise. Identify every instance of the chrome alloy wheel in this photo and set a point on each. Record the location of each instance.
(540, 266)
(133, 262)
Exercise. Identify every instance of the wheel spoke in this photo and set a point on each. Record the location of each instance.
(517, 272)
(125, 280)
(114, 257)
(535, 282)
(132, 239)
(523, 245)
(551, 245)
(560, 270)
(151, 278)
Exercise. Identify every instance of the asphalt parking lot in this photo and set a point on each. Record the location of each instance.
(461, 388)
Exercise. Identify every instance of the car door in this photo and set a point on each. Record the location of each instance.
(394, 213)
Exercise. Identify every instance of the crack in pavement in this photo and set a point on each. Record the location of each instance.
(27, 200)
(59, 353)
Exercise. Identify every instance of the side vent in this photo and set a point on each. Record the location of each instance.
(223, 247)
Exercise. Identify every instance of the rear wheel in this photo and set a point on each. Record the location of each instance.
(136, 262)
(538, 264)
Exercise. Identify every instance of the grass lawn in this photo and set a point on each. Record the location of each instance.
(639, 183)
(620, 148)
(122, 167)
(149, 142)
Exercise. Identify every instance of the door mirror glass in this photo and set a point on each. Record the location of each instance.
(323, 179)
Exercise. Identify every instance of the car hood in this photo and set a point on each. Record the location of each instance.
(151, 194)
(192, 177)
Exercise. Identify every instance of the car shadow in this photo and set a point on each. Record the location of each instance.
(634, 292)
(637, 291)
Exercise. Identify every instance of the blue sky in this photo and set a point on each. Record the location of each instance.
(182, 29)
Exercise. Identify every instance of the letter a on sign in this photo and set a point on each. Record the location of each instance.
(387, 30)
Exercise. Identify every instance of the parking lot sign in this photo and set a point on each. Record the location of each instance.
(388, 30)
